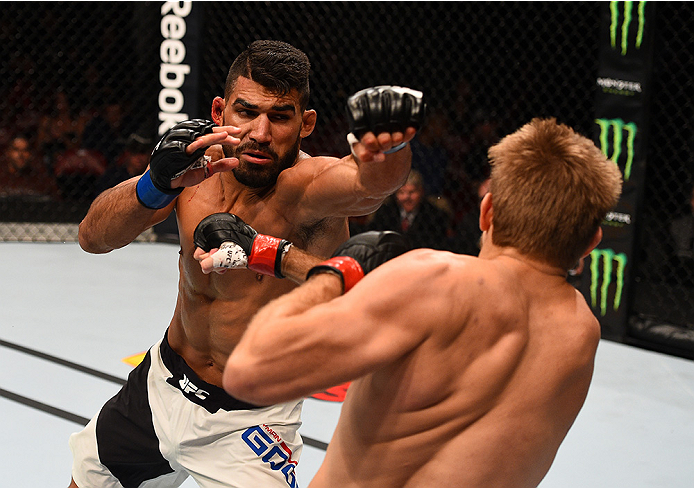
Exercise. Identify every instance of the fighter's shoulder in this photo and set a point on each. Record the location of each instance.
(438, 267)
(443, 260)
(306, 166)
(305, 159)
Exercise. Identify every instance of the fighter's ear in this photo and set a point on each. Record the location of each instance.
(486, 212)
(218, 105)
(308, 122)
(597, 237)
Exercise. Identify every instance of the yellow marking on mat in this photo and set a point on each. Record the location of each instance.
(135, 359)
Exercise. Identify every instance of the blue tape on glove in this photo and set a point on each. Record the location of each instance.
(149, 196)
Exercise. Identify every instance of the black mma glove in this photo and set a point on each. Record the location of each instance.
(361, 254)
(169, 161)
(384, 109)
(240, 246)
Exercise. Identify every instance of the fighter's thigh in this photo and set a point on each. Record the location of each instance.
(262, 455)
(87, 470)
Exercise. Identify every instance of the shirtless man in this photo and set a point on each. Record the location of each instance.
(172, 419)
(466, 371)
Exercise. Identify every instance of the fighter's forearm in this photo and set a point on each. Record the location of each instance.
(115, 219)
(296, 264)
(380, 179)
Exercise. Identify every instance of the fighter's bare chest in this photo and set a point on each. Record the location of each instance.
(267, 213)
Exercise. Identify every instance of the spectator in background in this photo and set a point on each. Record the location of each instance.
(466, 231)
(77, 170)
(56, 126)
(682, 238)
(22, 95)
(359, 224)
(330, 138)
(682, 232)
(412, 214)
(108, 132)
(460, 108)
(469, 168)
(131, 162)
(485, 134)
(21, 174)
(429, 152)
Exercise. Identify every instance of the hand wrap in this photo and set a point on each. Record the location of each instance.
(360, 255)
(169, 161)
(258, 252)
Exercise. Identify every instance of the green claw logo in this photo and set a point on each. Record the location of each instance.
(605, 260)
(623, 34)
(618, 128)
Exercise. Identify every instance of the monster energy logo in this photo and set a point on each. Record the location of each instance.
(606, 259)
(626, 21)
(619, 128)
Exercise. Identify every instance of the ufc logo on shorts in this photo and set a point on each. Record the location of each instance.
(273, 452)
(188, 387)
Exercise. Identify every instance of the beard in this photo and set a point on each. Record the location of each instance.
(261, 175)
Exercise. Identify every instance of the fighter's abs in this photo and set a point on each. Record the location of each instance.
(213, 311)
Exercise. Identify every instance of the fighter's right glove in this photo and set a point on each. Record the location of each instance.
(384, 109)
(361, 254)
(240, 246)
(169, 161)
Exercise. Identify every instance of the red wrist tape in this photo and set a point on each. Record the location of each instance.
(349, 269)
(264, 254)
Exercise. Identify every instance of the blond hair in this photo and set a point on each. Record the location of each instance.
(551, 188)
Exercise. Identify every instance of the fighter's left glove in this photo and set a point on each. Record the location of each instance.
(240, 246)
(384, 109)
(361, 254)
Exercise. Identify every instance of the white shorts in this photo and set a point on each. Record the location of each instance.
(166, 424)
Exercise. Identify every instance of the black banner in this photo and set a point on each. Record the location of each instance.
(179, 73)
(623, 86)
(179, 78)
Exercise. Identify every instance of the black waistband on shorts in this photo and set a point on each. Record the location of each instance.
(209, 396)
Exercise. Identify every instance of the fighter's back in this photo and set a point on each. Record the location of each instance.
(488, 395)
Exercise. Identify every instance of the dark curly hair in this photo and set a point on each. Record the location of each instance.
(276, 65)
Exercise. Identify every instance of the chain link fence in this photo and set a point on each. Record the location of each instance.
(75, 109)
(663, 300)
(78, 103)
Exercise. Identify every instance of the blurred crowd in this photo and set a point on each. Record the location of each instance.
(67, 153)
(65, 125)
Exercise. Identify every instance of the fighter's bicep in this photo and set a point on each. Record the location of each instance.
(323, 187)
